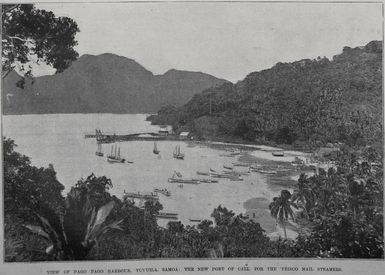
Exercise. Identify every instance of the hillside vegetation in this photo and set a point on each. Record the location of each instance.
(312, 101)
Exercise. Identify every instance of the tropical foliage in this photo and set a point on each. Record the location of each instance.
(311, 101)
(281, 209)
(33, 201)
(343, 207)
(30, 34)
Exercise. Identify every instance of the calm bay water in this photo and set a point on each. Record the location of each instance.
(58, 139)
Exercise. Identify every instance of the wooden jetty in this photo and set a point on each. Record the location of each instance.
(167, 215)
(112, 137)
(150, 196)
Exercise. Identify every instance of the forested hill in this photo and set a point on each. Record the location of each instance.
(104, 83)
(320, 100)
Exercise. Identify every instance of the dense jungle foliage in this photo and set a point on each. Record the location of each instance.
(311, 101)
(341, 210)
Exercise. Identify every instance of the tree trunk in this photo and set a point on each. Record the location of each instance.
(284, 229)
(354, 213)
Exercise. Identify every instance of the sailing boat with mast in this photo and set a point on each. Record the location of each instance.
(99, 151)
(155, 150)
(115, 157)
(177, 154)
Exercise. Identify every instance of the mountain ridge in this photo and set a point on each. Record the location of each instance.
(105, 83)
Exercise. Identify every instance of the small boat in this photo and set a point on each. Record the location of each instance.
(177, 154)
(208, 180)
(167, 215)
(227, 167)
(114, 157)
(195, 220)
(240, 164)
(203, 173)
(255, 166)
(269, 172)
(221, 176)
(99, 151)
(262, 171)
(145, 196)
(236, 178)
(278, 154)
(237, 173)
(186, 180)
(162, 191)
(155, 150)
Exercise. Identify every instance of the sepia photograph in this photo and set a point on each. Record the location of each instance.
(140, 131)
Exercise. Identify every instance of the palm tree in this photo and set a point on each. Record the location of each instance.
(328, 187)
(356, 191)
(304, 195)
(75, 232)
(281, 209)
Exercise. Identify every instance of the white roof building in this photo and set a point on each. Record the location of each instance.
(184, 134)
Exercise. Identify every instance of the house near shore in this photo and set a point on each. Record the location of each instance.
(326, 151)
(184, 135)
(165, 130)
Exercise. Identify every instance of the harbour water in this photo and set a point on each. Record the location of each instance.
(58, 139)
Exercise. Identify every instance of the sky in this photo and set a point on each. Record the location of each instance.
(228, 40)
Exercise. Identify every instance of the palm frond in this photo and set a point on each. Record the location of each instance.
(37, 230)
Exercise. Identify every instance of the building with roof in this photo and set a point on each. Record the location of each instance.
(184, 135)
(165, 130)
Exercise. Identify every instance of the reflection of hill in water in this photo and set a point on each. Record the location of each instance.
(254, 203)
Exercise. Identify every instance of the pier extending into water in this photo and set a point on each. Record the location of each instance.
(112, 137)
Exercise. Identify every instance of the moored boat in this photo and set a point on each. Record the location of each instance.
(177, 154)
(235, 178)
(195, 220)
(203, 173)
(208, 180)
(184, 180)
(278, 154)
(145, 196)
(227, 175)
(167, 215)
(234, 172)
(255, 166)
(263, 171)
(220, 176)
(155, 150)
(115, 157)
(162, 191)
(99, 151)
(240, 164)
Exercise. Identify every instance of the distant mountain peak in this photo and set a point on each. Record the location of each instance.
(107, 83)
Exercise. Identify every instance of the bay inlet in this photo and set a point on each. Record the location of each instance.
(58, 139)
